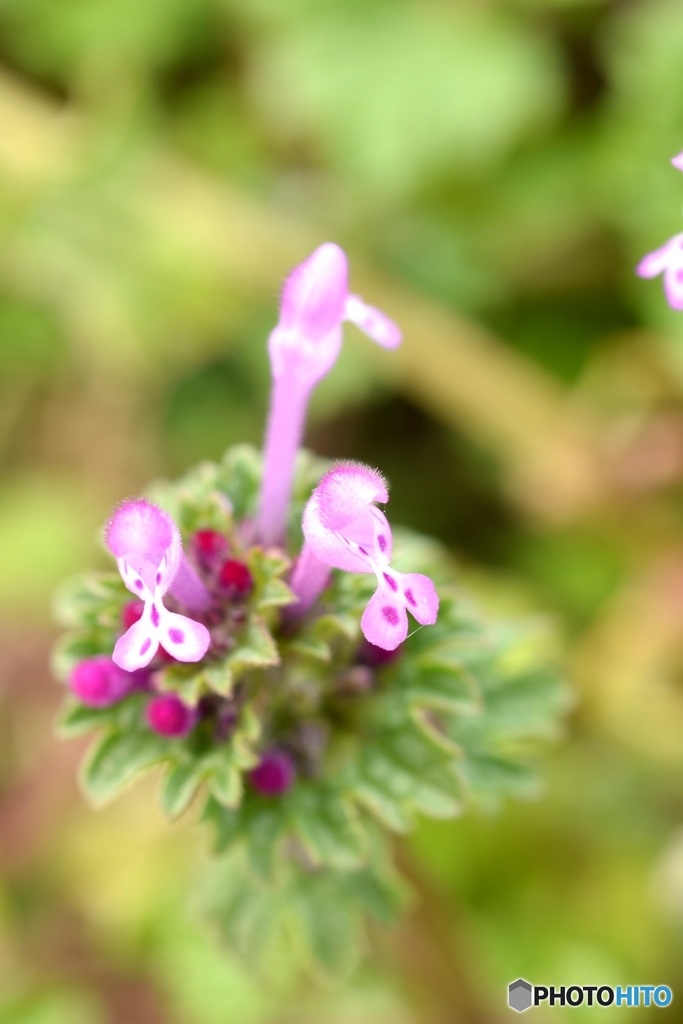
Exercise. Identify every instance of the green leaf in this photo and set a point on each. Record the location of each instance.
(116, 759)
(240, 479)
(382, 892)
(226, 764)
(179, 787)
(331, 925)
(326, 826)
(439, 684)
(77, 646)
(266, 827)
(255, 649)
(225, 782)
(402, 772)
(228, 822)
(311, 646)
(184, 680)
(76, 719)
(269, 590)
(196, 501)
(93, 600)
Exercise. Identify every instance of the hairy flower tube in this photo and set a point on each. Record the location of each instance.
(276, 678)
(303, 348)
(344, 529)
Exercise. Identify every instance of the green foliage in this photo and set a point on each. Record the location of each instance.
(451, 721)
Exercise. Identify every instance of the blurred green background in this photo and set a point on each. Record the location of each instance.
(494, 168)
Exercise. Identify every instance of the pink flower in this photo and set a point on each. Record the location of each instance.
(345, 529)
(146, 544)
(669, 261)
(303, 348)
(677, 161)
(315, 301)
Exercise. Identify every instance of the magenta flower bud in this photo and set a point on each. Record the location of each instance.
(146, 544)
(132, 613)
(167, 715)
(344, 529)
(303, 348)
(275, 773)
(210, 548)
(99, 683)
(235, 579)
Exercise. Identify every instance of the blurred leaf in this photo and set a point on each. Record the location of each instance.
(361, 79)
(118, 758)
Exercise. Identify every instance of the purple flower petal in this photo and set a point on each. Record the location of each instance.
(421, 598)
(673, 285)
(138, 645)
(655, 262)
(183, 638)
(340, 511)
(148, 540)
(373, 322)
(315, 292)
(385, 622)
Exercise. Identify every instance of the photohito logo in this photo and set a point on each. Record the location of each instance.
(522, 995)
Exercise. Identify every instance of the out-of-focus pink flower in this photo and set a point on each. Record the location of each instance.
(677, 161)
(303, 348)
(345, 529)
(146, 544)
(667, 260)
(274, 774)
(168, 716)
(99, 683)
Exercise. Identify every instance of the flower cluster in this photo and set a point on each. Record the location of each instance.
(667, 260)
(280, 677)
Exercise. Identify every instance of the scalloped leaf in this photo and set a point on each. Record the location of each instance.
(267, 568)
(76, 719)
(116, 759)
(184, 680)
(402, 772)
(179, 787)
(256, 649)
(239, 478)
(326, 825)
(76, 646)
(91, 600)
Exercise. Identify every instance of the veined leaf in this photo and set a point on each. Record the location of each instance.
(326, 825)
(240, 478)
(76, 719)
(91, 600)
(270, 591)
(180, 785)
(256, 649)
(77, 646)
(116, 759)
(184, 680)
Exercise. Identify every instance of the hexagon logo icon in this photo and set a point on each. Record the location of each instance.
(519, 995)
